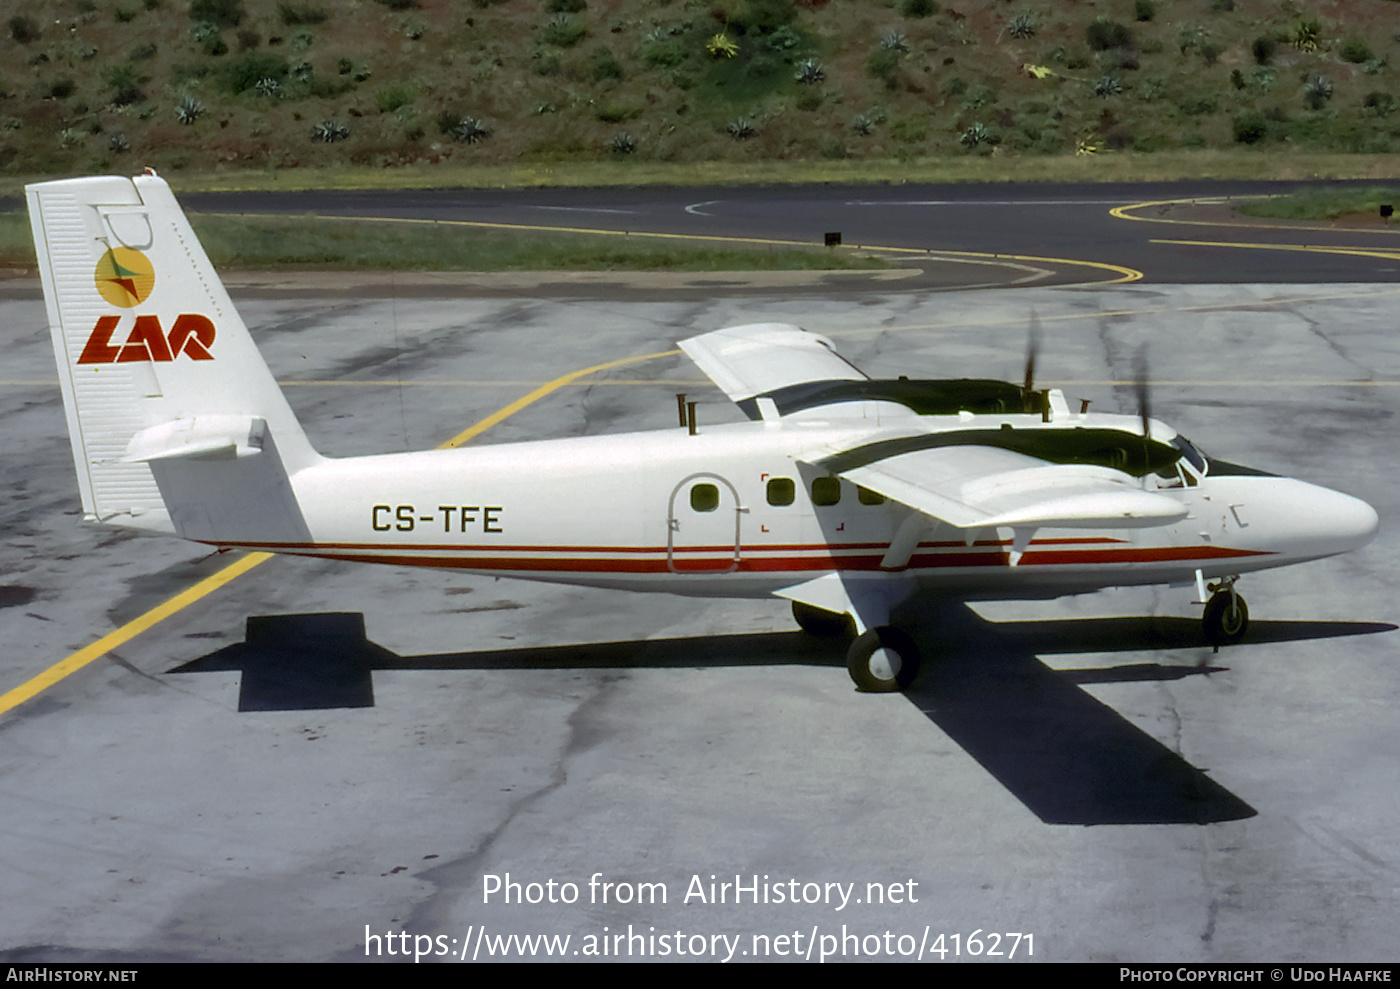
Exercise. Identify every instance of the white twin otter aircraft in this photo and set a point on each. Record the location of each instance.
(849, 496)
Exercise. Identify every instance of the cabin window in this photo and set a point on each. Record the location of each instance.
(826, 491)
(704, 497)
(868, 497)
(781, 491)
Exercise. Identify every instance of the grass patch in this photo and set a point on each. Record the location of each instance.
(263, 243)
(16, 243)
(1324, 204)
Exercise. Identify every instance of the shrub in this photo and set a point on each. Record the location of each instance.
(563, 31)
(1355, 51)
(142, 52)
(61, 90)
(1263, 48)
(23, 30)
(250, 70)
(1199, 105)
(391, 98)
(566, 6)
(784, 39)
(1103, 35)
(1379, 104)
(1250, 128)
(296, 14)
(883, 63)
(125, 83)
(603, 65)
(1144, 10)
(124, 15)
(224, 13)
(753, 16)
(918, 8)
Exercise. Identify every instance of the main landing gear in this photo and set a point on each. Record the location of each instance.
(1226, 617)
(880, 660)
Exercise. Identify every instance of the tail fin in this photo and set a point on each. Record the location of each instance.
(171, 410)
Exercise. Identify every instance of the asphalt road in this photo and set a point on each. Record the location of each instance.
(1054, 223)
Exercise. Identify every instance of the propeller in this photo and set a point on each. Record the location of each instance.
(1032, 348)
(1140, 385)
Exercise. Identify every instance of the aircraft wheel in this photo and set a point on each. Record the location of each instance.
(1226, 619)
(819, 622)
(882, 659)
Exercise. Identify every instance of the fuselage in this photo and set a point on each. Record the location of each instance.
(734, 511)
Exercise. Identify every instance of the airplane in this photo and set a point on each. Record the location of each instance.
(853, 498)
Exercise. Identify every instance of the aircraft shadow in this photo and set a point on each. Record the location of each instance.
(1068, 757)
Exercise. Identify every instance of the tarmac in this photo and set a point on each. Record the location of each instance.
(317, 756)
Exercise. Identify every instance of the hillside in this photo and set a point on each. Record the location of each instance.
(99, 85)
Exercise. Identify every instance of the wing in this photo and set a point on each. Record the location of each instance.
(974, 487)
(748, 361)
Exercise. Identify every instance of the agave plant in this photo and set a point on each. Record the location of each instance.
(330, 131)
(975, 136)
(118, 143)
(721, 46)
(189, 110)
(862, 125)
(809, 72)
(268, 86)
(1108, 86)
(623, 143)
(470, 129)
(1317, 92)
(741, 129)
(1021, 27)
(894, 41)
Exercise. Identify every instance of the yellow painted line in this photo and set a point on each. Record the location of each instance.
(541, 392)
(1392, 254)
(1122, 213)
(71, 664)
(128, 631)
(1124, 274)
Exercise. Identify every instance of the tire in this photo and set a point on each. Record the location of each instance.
(1226, 619)
(821, 623)
(869, 660)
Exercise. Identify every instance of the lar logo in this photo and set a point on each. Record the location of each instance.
(124, 277)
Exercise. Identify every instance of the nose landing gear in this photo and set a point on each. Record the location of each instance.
(1226, 618)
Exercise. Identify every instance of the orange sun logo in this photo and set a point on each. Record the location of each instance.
(124, 277)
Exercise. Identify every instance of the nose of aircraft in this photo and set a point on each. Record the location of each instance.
(1332, 521)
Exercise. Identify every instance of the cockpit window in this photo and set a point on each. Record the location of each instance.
(1188, 450)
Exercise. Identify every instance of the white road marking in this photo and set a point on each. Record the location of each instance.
(694, 208)
(585, 209)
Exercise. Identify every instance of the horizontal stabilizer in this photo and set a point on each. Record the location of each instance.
(204, 437)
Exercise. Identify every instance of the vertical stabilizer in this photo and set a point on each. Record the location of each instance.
(155, 363)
